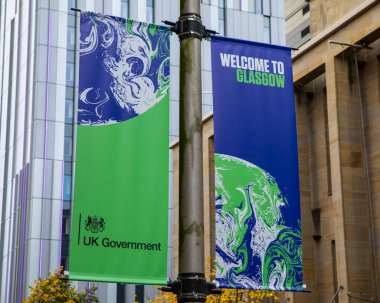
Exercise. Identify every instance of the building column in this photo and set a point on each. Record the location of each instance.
(336, 74)
(308, 255)
(348, 177)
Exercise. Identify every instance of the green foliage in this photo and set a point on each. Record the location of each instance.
(54, 289)
(227, 296)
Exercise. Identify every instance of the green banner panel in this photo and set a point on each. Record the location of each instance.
(120, 204)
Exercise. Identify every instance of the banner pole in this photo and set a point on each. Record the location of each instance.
(191, 284)
(191, 226)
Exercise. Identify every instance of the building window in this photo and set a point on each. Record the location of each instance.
(221, 17)
(259, 6)
(71, 20)
(149, 11)
(67, 188)
(305, 31)
(267, 38)
(69, 130)
(70, 74)
(70, 38)
(66, 224)
(69, 111)
(124, 8)
(306, 9)
(69, 92)
(316, 215)
(206, 1)
(71, 4)
(68, 149)
(70, 57)
(244, 5)
(68, 168)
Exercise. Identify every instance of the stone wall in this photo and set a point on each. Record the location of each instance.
(324, 13)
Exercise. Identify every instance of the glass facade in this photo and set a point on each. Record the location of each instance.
(68, 138)
(259, 6)
(67, 188)
(221, 17)
(150, 11)
(267, 35)
(124, 8)
(70, 74)
(70, 38)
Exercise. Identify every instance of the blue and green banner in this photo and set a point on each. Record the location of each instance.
(120, 204)
(258, 236)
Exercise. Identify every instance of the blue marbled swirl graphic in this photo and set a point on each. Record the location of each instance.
(255, 247)
(124, 68)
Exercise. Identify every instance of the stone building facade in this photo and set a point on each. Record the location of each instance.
(297, 20)
(337, 99)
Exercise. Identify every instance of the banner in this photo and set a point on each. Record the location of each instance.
(120, 212)
(258, 237)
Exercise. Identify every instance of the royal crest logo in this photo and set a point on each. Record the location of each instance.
(95, 224)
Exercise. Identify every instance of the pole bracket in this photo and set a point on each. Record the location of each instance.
(189, 25)
(191, 287)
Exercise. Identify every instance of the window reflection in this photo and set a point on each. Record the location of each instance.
(259, 6)
(70, 38)
(68, 111)
(68, 149)
(70, 74)
(150, 11)
(221, 17)
(124, 9)
(67, 188)
(267, 36)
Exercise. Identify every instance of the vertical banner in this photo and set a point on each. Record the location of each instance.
(120, 212)
(258, 237)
